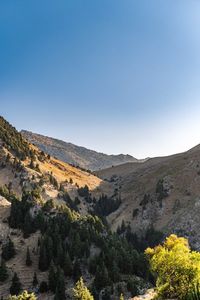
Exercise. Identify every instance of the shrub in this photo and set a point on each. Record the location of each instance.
(81, 292)
(176, 267)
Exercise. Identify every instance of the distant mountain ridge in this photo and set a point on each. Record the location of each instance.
(77, 155)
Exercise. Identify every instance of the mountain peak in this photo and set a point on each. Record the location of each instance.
(76, 155)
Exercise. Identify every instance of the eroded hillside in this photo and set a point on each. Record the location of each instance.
(163, 193)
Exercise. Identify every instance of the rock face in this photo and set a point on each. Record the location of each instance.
(161, 192)
(79, 156)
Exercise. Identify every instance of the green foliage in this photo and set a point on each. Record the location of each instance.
(8, 250)
(65, 245)
(20, 213)
(60, 285)
(52, 279)
(15, 286)
(81, 292)
(43, 287)
(24, 296)
(77, 270)
(48, 206)
(35, 280)
(13, 140)
(132, 287)
(6, 192)
(194, 293)
(105, 205)
(53, 181)
(177, 268)
(84, 191)
(28, 257)
(161, 191)
(101, 277)
(3, 271)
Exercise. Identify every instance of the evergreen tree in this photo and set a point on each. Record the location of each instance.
(28, 258)
(43, 259)
(101, 278)
(52, 278)
(16, 285)
(67, 265)
(81, 292)
(59, 254)
(115, 273)
(3, 271)
(28, 225)
(77, 270)
(60, 287)
(43, 287)
(35, 280)
(8, 250)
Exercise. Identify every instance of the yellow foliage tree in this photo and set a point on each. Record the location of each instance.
(24, 296)
(176, 267)
(81, 292)
(121, 297)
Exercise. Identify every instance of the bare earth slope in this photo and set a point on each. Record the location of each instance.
(162, 192)
(79, 156)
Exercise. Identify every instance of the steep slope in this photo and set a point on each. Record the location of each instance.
(76, 155)
(23, 165)
(162, 192)
(48, 209)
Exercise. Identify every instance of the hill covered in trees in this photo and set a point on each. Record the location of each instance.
(56, 240)
(54, 231)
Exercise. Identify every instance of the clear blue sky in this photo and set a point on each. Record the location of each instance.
(114, 76)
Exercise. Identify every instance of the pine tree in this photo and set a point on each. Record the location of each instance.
(59, 254)
(28, 225)
(43, 287)
(43, 259)
(67, 265)
(16, 285)
(81, 292)
(60, 287)
(52, 278)
(115, 273)
(28, 258)
(3, 271)
(101, 278)
(77, 270)
(8, 250)
(35, 280)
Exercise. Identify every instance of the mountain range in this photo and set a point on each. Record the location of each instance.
(93, 224)
(76, 155)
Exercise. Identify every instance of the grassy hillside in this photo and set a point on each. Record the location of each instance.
(161, 192)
